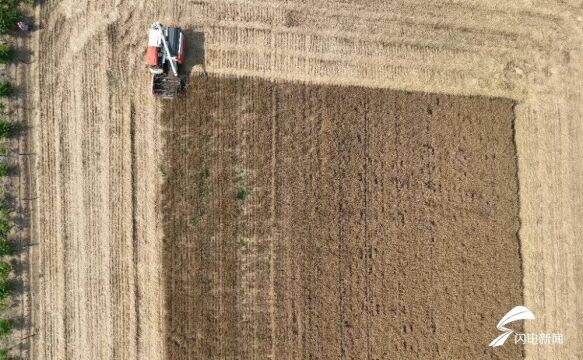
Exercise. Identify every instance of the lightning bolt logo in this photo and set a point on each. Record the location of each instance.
(517, 313)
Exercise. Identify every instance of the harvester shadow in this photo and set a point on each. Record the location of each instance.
(194, 51)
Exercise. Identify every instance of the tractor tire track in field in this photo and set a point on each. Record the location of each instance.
(135, 240)
(340, 222)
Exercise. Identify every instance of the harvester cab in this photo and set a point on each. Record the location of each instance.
(164, 54)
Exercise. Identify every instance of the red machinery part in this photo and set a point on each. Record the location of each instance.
(152, 56)
(180, 57)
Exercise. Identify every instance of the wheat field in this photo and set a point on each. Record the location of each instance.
(99, 136)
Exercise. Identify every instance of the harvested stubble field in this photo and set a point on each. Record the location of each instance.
(331, 222)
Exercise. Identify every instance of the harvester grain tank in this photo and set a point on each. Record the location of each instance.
(164, 55)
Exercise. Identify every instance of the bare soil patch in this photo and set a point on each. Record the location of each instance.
(306, 221)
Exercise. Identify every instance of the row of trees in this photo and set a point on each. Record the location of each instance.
(10, 15)
(7, 130)
(6, 250)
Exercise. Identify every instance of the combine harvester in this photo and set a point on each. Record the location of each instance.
(165, 52)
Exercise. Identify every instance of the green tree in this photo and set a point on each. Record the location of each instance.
(5, 222)
(9, 15)
(5, 291)
(4, 354)
(6, 89)
(8, 129)
(11, 3)
(5, 248)
(5, 129)
(5, 270)
(5, 327)
(6, 53)
(5, 170)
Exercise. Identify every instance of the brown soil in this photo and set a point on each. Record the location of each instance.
(306, 221)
